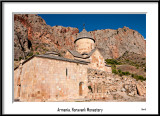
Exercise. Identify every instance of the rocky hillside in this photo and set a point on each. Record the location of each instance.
(114, 43)
(33, 36)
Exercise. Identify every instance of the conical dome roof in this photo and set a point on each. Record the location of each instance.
(84, 34)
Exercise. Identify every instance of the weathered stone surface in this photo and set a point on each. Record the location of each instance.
(36, 34)
(141, 88)
(123, 89)
(43, 82)
(116, 42)
(97, 62)
(32, 84)
(42, 37)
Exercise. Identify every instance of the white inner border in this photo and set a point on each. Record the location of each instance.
(151, 103)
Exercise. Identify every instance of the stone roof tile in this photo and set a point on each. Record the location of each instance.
(84, 34)
(78, 55)
(56, 58)
(75, 53)
(62, 58)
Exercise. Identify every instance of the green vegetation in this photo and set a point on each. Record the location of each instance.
(36, 47)
(31, 49)
(143, 58)
(114, 62)
(121, 73)
(44, 49)
(20, 58)
(136, 64)
(30, 54)
(138, 77)
(90, 88)
(114, 71)
(37, 53)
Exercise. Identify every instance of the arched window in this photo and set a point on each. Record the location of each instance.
(66, 71)
(80, 88)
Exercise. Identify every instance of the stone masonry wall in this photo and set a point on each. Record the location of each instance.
(44, 79)
(23, 71)
(97, 62)
(68, 55)
(84, 45)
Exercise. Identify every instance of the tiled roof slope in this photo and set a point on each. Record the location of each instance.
(78, 55)
(54, 57)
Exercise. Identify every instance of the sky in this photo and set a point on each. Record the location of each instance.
(98, 21)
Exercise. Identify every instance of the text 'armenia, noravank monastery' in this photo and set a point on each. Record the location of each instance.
(80, 74)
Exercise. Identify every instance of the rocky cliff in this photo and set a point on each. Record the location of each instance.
(33, 36)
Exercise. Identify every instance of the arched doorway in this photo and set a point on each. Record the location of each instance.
(80, 88)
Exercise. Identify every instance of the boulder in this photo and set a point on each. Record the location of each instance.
(123, 90)
(141, 88)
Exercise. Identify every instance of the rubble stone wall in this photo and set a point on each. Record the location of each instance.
(105, 85)
(97, 82)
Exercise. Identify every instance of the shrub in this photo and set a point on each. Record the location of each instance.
(37, 53)
(127, 73)
(20, 58)
(36, 47)
(31, 49)
(113, 66)
(112, 61)
(143, 58)
(30, 54)
(120, 74)
(132, 75)
(141, 78)
(123, 73)
(127, 60)
(90, 88)
(114, 71)
(15, 59)
(119, 71)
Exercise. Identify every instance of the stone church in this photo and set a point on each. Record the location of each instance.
(79, 74)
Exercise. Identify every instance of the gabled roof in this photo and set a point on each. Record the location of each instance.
(78, 55)
(62, 58)
(91, 52)
(56, 58)
(52, 53)
(75, 53)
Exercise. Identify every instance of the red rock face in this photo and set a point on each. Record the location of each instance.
(32, 34)
(114, 43)
(41, 36)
